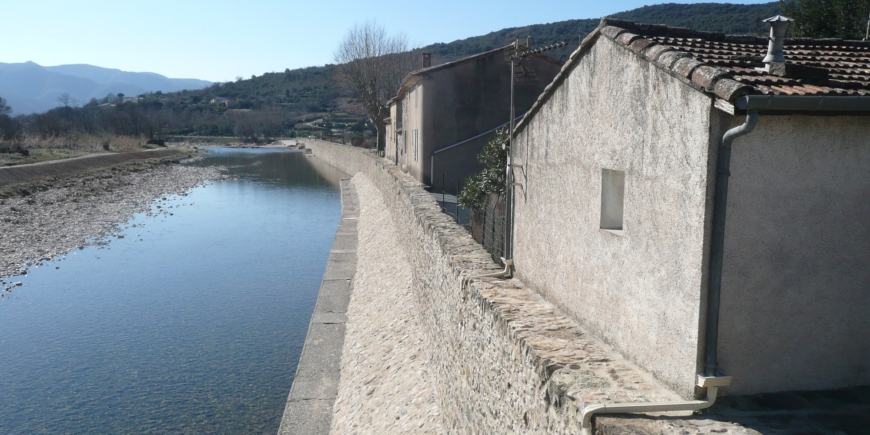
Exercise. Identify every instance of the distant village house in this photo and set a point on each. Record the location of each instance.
(444, 114)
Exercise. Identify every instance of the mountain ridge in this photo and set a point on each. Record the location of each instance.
(32, 88)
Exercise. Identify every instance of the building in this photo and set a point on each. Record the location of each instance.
(444, 114)
(620, 206)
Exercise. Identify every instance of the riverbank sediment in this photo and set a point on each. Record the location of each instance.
(52, 216)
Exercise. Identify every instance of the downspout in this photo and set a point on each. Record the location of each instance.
(708, 380)
(717, 241)
(465, 280)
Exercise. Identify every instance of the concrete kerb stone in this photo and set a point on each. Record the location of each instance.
(315, 385)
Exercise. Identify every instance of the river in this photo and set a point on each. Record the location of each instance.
(191, 322)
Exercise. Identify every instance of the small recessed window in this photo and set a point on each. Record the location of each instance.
(612, 197)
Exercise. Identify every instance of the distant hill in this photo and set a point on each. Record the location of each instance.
(313, 90)
(32, 88)
(712, 17)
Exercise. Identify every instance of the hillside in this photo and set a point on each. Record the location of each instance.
(32, 88)
(312, 90)
(308, 101)
(711, 17)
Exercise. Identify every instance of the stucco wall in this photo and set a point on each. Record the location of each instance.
(641, 291)
(504, 360)
(796, 282)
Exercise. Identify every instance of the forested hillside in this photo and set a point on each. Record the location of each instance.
(286, 103)
(711, 17)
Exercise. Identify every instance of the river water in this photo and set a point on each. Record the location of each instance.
(192, 322)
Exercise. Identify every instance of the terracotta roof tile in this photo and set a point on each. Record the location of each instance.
(819, 66)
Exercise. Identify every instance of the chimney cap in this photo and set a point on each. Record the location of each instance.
(777, 19)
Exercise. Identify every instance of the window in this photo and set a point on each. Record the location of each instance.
(612, 199)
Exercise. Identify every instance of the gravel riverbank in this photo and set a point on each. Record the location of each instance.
(385, 385)
(83, 210)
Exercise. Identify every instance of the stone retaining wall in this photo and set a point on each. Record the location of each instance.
(504, 360)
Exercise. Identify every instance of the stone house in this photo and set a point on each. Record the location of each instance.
(442, 115)
(622, 169)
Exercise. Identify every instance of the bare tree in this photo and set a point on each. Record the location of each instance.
(65, 99)
(4, 108)
(372, 64)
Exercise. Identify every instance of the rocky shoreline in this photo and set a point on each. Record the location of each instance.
(40, 221)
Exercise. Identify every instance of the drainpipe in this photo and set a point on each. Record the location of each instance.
(708, 380)
(508, 264)
(717, 242)
(711, 384)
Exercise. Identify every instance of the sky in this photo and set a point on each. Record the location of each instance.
(220, 40)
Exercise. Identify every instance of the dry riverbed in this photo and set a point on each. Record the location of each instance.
(44, 220)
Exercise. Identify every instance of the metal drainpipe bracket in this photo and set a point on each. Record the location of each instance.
(713, 381)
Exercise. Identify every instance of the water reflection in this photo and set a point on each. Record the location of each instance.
(191, 323)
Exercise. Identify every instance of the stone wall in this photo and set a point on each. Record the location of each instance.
(504, 360)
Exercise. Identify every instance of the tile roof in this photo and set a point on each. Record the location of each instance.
(724, 65)
(813, 66)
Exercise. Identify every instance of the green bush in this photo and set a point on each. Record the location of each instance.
(491, 179)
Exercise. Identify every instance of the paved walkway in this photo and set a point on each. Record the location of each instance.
(386, 383)
(309, 406)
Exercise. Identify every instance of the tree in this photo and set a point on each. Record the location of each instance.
(65, 99)
(845, 19)
(491, 180)
(4, 108)
(372, 64)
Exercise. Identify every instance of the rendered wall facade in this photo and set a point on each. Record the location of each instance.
(643, 290)
(796, 283)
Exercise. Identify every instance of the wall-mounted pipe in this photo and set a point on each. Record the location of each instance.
(508, 264)
(717, 242)
(711, 384)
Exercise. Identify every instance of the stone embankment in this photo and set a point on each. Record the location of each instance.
(46, 217)
(500, 358)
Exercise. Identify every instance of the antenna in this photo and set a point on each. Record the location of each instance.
(867, 32)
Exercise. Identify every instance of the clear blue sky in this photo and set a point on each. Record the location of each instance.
(219, 40)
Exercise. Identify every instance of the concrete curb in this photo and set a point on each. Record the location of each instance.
(315, 387)
(57, 168)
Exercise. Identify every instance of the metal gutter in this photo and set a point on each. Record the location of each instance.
(804, 103)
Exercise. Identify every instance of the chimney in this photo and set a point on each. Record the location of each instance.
(774, 58)
(427, 60)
